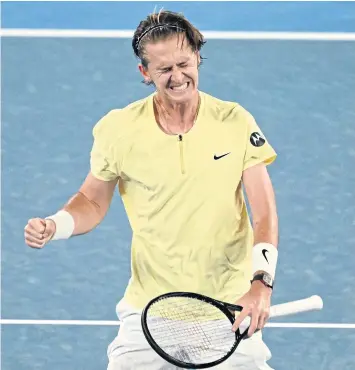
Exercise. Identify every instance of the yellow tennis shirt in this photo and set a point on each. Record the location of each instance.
(183, 196)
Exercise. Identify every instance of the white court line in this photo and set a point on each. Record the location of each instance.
(60, 322)
(220, 35)
(117, 323)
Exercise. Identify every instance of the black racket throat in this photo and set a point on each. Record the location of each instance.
(191, 330)
(229, 306)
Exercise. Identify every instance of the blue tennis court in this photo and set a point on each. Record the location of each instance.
(54, 89)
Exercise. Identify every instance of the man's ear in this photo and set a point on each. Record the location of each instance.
(144, 73)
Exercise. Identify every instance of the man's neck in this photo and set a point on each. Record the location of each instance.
(178, 118)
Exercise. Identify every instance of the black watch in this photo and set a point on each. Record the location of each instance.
(265, 278)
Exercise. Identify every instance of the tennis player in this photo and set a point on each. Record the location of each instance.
(180, 157)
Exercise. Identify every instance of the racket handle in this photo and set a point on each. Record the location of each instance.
(312, 303)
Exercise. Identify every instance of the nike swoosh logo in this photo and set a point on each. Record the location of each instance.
(264, 254)
(220, 156)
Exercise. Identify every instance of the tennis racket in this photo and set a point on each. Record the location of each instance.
(193, 331)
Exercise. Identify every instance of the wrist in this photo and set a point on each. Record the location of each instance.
(63, 225)
(264, 259)
(263, 278)
(258, 272)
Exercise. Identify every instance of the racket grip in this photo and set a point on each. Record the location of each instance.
(312, 303)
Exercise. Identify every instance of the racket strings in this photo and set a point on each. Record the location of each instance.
(190, 330)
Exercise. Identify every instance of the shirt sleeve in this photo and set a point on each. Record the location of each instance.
(104, 156)
(258, 149)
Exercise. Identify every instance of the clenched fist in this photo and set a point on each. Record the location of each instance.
(38, 232)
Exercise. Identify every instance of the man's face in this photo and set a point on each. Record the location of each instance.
(173, 68)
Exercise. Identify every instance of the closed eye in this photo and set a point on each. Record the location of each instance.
(166, 70)
(169, 69)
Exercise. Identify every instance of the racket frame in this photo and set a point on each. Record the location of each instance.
(224, 307)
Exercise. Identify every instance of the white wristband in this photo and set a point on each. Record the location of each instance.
(64, 222)
(264, 258)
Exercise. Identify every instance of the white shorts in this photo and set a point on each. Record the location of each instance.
(131, 351)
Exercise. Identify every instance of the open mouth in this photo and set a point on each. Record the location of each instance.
(180, 87)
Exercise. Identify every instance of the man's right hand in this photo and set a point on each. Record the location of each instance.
(38, 232)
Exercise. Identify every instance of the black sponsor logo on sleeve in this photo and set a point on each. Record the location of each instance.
(256, 139)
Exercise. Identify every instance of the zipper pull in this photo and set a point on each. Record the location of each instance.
(182, 160)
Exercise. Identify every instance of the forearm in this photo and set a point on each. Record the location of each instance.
(86, 213)
(266, 229)
(85, 210)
